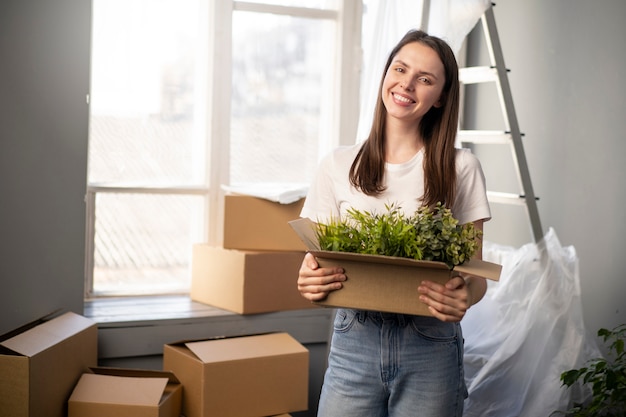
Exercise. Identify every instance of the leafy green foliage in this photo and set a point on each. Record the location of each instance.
(607, 378)
(431, 235)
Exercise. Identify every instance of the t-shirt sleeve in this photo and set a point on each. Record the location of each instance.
(471, 201)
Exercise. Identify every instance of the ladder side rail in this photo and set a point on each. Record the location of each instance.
(495, 51)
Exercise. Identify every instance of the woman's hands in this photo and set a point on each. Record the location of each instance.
(314, 283)
(450, 302)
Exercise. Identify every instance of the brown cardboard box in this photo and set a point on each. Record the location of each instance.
(385, 283)
(257, 375)
(246, 282)
(41, 362)
(252, 223)
(105, 392)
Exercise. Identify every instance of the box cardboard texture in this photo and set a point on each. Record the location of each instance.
(257, 375)
(105, 392)
(252, 223)
(246, 282)
(41, 363)
(384, 283)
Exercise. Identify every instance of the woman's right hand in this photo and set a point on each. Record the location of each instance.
(314, 283)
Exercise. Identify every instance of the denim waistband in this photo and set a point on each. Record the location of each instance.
(380, 317)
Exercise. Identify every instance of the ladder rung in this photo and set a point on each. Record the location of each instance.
(474, 75)
(484, 137)
(506, 198)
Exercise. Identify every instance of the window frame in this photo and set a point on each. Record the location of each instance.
(340, 131)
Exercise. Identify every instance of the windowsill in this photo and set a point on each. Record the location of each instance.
(139, 326)
(116, 311)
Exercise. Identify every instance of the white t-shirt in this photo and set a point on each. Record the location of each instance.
(331, 194)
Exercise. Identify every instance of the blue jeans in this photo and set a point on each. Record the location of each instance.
(393, 365)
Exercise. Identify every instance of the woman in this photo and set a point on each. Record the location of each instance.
(396, 365)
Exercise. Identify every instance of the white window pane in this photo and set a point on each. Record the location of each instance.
(143, 243)
(144, 125)
(282, 67)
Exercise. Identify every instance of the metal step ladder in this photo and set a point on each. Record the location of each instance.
(497, 73)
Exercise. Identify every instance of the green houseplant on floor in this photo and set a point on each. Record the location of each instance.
(605, 376)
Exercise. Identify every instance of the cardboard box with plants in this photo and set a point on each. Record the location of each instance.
(126, 393)
(41, 362)
(386, 255)
(252, 375)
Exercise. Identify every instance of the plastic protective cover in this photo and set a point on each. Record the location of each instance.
(526, 331)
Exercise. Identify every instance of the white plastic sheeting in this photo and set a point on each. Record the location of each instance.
(525, 332)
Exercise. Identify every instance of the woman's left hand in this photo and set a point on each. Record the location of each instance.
(448, 302)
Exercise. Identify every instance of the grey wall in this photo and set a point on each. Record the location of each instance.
(568, 62)
(44, 80)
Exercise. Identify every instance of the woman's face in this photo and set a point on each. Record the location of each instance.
(413, 83)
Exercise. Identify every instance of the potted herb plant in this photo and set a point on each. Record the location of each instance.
(428, 235)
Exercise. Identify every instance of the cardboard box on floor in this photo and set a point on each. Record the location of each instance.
(246, 282)
(40, 363)
(256, 375)
(118, 392)
(384, 283)
(256, 224)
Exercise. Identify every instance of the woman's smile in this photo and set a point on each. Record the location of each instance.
(402, 99)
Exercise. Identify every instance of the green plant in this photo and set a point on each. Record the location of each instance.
(429, 234)
(607, 378)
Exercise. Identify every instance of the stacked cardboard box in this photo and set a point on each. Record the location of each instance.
(252, 223)
(256, 269)
(256, 375)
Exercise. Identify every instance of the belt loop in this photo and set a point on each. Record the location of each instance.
(361, 316)
(402, 320)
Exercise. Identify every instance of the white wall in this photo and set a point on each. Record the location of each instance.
(568, 75)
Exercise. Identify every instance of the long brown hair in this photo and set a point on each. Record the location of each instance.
(438, 128)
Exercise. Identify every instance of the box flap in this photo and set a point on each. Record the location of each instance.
(480, 268)
(109, 389)
(138, 373)
(305, 229)
(477, 267)
(27, 326)
(379, 259)
(237, 348)
(47, 334)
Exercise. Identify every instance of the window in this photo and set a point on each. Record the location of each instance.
(190, 95)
